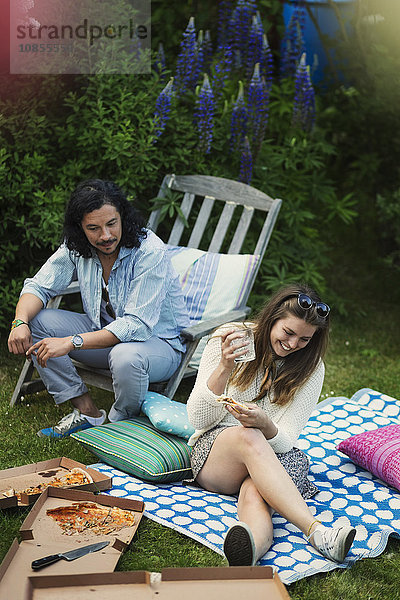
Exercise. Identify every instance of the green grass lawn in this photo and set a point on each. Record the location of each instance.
(364, 352)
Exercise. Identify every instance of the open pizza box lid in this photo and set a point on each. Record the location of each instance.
(27, 476)
(42, 536)
(215, 583)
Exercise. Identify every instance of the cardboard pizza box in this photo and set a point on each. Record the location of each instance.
(32, 475)
(215, 583)
(7, 501)
(42, 536)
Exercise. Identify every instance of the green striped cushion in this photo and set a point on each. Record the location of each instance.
(138, 448)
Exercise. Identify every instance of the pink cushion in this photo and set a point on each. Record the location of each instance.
(377, 451)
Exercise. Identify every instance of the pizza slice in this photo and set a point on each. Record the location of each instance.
(81, 517)
(71, 478)
(228, 401)
(75, 476)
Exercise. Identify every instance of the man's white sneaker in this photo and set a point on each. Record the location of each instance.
(71, 423)
(333, 542)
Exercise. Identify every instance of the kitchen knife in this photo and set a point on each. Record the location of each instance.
(70, 555)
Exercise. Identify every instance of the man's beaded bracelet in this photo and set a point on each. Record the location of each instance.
(17, 323)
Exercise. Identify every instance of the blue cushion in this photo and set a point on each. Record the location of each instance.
(167, 415)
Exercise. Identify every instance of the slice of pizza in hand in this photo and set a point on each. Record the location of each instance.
(228, 401)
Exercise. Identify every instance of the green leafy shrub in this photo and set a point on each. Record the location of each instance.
(31, 198)
(58, 131)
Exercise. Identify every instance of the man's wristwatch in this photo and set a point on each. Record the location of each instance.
(77, 341)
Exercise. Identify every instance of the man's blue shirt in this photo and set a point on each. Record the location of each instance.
(143, 288)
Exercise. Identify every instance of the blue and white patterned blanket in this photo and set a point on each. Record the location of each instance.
(348, 493)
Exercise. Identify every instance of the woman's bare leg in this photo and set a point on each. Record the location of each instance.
(253, 511)
(239, 452)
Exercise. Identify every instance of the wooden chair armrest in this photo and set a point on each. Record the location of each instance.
(55, 302)
(196, 332)
(73, 288)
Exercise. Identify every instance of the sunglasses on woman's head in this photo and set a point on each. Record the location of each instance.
(305, 302)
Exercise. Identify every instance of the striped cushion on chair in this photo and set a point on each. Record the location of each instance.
(138, 448)
(211, 283)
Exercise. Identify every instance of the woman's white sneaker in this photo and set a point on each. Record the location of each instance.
(239, 547)
(333, 542)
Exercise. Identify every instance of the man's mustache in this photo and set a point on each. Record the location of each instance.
(107, 242)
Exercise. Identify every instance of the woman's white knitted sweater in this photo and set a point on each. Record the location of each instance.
(205, 412)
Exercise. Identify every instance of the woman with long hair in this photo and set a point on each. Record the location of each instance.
(249, 449)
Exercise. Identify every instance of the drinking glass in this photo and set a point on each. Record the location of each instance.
(248, 338)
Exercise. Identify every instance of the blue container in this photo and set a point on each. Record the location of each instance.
(328, 24)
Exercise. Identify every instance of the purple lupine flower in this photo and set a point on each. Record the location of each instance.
(160, 64)
(186, 72)
(222, 68)
(239, 29)
(246, 162)
(293, 40)
(255, 45)
(238, 121)
(135, 48)
(304, 99)
(204, 115)
(258, 105)
(163, 108)
(207, 51)
(199, 63)
(224, 15)
(301, 15)
(266, 62)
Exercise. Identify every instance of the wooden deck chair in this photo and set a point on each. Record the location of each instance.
(212, 255)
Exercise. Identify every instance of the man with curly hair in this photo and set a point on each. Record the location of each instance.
(133, 305)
